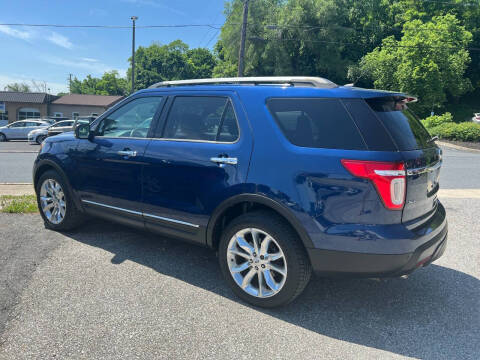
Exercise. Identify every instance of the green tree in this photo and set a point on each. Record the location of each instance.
(19, 87)
(174, 61)
(430, 61)
(109, 84)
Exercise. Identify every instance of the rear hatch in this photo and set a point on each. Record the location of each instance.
(423, 158)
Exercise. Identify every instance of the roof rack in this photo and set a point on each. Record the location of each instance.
(316, 82)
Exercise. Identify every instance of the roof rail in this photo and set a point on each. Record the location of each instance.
(316, 82)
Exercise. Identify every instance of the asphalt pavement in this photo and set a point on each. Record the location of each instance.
(16, 161)
(110, 292)
(106, 291)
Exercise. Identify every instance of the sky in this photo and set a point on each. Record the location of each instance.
(51, 54)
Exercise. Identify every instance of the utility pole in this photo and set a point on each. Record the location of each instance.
(134, 18)
(70, 83)
(241, 53)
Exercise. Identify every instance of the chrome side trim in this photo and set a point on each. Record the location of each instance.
(140, 213)
(112, 207)
(171, 220)
(423, 170)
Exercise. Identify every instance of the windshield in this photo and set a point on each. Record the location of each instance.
(404, 126)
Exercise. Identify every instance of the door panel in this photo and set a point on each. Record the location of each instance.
(110, 164)
(187, 179)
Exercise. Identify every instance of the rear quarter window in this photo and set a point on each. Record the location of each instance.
(316, 123)
(403, 125)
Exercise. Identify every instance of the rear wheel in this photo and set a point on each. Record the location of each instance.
(263, 260)
(40, 139)
(54, 199)
(3, 137)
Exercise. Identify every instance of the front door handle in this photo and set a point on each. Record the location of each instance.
(224, 160)
(128, 153)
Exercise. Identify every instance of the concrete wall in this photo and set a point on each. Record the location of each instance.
(67, 110)
(13, 108)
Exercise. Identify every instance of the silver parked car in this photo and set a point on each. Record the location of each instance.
(19, 130)
(38, 135)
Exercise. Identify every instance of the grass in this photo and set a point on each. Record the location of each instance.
(24, 204)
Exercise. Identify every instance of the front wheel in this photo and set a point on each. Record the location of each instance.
(40, 139)
(55, 202)
(3, 137)
(263, 259)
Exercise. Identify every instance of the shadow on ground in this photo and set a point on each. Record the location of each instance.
(433, 314)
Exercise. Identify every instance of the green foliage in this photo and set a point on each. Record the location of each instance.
(174, 61)
(109, 84)
(466, 131)
(19, 87)
(18, 204)
(424, 62)
(436, 120)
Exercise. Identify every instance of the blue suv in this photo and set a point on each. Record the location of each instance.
(279, 175)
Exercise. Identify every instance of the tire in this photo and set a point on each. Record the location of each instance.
(3, 137)
(72, 217)
(294, 262)
(40, 139)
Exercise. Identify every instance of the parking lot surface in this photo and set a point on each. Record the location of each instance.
(106, 291)
(110, 292)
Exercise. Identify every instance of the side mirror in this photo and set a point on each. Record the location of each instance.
(82, 131)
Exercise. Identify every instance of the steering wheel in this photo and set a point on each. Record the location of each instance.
(138, 133)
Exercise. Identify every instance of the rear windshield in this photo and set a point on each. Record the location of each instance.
(404, 127)
(316, 123)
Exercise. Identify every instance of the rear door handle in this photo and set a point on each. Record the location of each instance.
(224, 160)
(128, 153)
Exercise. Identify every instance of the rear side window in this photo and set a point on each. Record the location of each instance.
(404, 127)
(316, 123)
(202, 118)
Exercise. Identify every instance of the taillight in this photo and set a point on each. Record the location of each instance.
(388, 178)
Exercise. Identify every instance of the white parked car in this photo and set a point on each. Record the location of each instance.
(38, 135)
(476, 118)
(19, 130)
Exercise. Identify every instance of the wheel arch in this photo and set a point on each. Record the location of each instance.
(45, 165)
(244, 203)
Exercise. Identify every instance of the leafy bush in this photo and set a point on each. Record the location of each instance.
(466, 131)
(436, 120)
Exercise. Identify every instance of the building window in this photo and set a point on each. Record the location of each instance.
(75, 115)
(28, 113)
(4, 115)
(58, 114)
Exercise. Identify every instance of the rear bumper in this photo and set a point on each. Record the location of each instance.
(355, 264)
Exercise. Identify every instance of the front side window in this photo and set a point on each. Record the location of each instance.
(316, 123)
(131, 120)
(202, 118)
(18, 124)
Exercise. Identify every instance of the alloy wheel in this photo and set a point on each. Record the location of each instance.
(256, 262)
(52, 201)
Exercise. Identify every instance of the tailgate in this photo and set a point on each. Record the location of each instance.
(423, 170)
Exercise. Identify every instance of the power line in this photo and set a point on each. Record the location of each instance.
(359, 44)
(213, 26)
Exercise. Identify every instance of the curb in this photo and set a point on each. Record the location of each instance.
(457, 147)
(16, 189)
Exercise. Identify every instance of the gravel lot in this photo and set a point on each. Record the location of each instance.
(110, 292)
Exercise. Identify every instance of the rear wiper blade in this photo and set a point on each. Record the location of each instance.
(435, 138)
